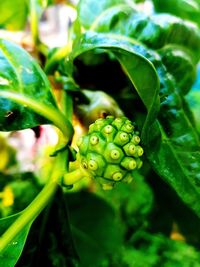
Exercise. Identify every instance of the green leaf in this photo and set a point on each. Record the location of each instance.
(133, 202)
(194, 100)
(185, 9)
(134, 64)
(174, 146)
(155, 31)
(89, 10)
(179, 63)
(113, 19)
(13, 14)
(96, 229)
(13, 251)
(20, 74)
(50, 239)
(159, 30)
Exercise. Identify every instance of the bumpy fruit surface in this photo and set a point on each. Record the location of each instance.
(110, 152)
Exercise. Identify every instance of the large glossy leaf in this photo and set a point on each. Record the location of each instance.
(89, 10)
(155, 31)
(185, 9)
(179, 63)
(113, 19)
(19, 73)
(175, 148)
(134, 64)
(159, 30)
(11, 254)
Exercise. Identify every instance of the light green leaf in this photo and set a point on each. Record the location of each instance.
(11, 254)
(89, 10)
(13, 14)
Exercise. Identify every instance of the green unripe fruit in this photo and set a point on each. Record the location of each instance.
(110, 152)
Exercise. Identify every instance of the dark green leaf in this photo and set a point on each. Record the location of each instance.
(12, 253)
(50, 239)
(162, 251)
(155, 31)
(19, 73)
(159, 30)
(175, 146)
(178, 62)
(132, 202)
(97, 232)
(169, 210)
(134, 64)
(185, 9)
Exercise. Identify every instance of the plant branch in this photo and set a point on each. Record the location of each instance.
(34, 20)
(37, 205)
(57, 56)
(71, 178)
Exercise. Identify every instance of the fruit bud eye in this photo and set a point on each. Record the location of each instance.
(84, 164)
(117, 176)
(136, 139)
(94, 140)
(129, 127)
(115, 154)
(108, 129)
(124, 137)
(131, 149)
(92, 165)
(140, 151)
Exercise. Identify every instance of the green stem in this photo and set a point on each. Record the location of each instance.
(34, 20)
(50, 113)
(67, 105)
(71, 178)
(28, 215)
(59, 54)
(43, 49)
(37, 205)
(35, 15)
